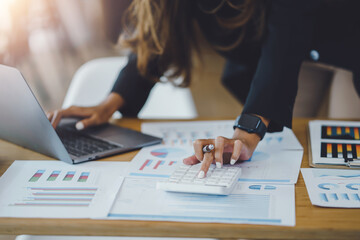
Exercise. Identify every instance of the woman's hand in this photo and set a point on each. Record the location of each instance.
(240, 147)
(92, 115)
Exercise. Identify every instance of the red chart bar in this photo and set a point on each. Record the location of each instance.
(157, 164)
(144, 165)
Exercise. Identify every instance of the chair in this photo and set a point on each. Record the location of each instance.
(93, 82)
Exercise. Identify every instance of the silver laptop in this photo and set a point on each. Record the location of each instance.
(23, 122)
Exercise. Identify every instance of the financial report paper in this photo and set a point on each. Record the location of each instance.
(54, 189)
(250, 203)
(333, 187)
(265, 166)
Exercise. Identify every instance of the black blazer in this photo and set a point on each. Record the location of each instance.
(263, 74)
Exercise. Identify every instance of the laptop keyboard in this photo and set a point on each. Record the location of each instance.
(81, 145)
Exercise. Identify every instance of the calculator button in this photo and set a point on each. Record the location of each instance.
(217, 181)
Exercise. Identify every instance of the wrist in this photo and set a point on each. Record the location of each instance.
(111, 104)
(252, 124)
(266, 121)
(249, 139)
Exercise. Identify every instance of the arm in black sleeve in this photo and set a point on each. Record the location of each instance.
(274, 86)
(133, 87)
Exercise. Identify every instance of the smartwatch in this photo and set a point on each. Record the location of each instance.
(251, 124)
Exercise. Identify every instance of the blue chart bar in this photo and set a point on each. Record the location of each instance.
(269, 187)
(356, 197)
(344, 196)
(255, 187)
(324, 197)
(333, 196)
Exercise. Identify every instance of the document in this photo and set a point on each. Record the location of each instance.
(158, 161)
(333, 187)
(250, 203)
(268, 166)
(335, 143)
(277, 158)
(184, 133)
(54, 189)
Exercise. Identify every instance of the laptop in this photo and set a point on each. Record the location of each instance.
(23, 122)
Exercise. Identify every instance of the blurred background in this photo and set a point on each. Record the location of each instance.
(48, 40)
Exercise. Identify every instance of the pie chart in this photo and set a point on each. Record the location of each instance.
(327, 186)
(168, 153)
(352, 186)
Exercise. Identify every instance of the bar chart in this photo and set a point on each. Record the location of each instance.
(57, 197)
(158, 161)
(50, 194)
(54, 189)
(340, 150)
(54, 175)
(36, 176)
(340, 132)
(156, 164)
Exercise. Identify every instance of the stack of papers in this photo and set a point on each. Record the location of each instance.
(264, 194)
(335, 143)
(53, 189)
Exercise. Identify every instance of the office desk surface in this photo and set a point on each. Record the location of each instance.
(311, 222)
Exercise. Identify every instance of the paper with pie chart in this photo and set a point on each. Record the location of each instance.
(333, 187)
(158, 161)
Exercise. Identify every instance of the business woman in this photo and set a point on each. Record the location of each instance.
(264, 43)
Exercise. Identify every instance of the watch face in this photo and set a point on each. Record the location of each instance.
(249, 121)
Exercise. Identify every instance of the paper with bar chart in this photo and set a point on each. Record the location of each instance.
(184, 133)
(54, 189)
(158, 161)
(333, 187)
(335, 142)
(250, 203)
(270, 166)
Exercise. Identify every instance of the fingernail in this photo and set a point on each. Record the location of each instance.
(201, 174)
(232, 161)
(79, 126)
(218, 164)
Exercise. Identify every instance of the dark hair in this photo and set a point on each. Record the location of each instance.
(164, 31)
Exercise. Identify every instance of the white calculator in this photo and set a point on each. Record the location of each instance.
(219, 181)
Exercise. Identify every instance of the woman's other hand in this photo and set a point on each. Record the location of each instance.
(92, 115)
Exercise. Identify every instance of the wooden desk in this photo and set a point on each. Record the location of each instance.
(311, 222)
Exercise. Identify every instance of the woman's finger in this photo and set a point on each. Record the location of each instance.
(75, 111)
(56, 118)
(191, 160)
(88, 122)
(219, 150)
(198, 147)
(236, 151)
(205, 165)
(49, 115)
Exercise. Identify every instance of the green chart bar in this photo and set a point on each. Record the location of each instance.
(36, 176)
(53, 176)
(69, 176)
(84, 177)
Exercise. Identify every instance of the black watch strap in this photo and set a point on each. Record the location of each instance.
(251, 124)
